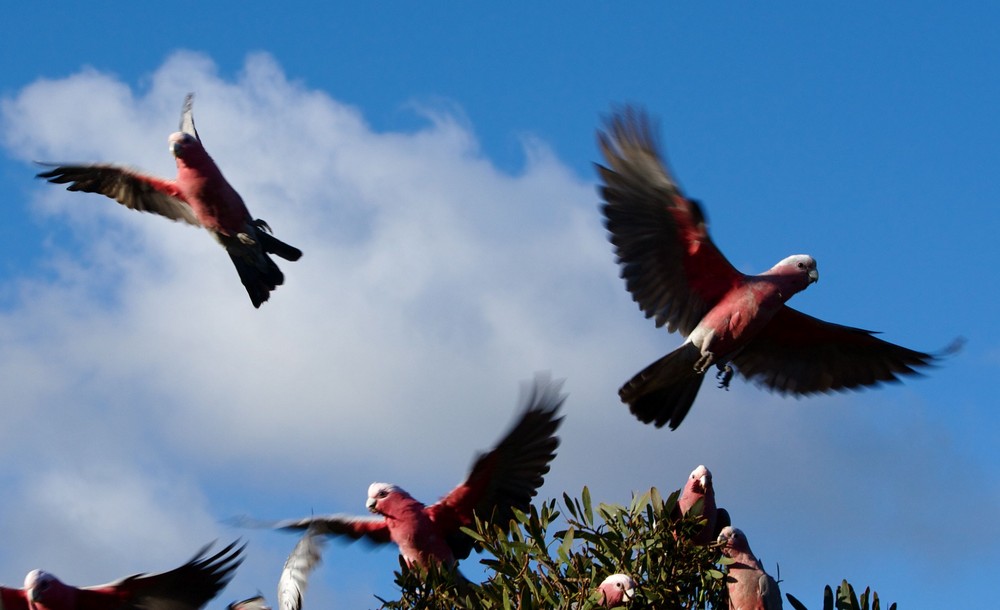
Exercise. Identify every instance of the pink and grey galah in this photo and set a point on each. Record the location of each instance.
(200, 195)
(749, 586)
(616, 590)
(188, 587)
(678, 276)
(504, 479)
(294, 575)
(699, 489)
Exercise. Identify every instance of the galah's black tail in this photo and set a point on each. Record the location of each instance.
(663, 392)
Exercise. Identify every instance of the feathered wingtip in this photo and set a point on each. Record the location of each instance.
(628, 126)
(632, 152)
(187, 116)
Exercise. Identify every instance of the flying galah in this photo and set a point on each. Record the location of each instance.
(294, 576)
(678, 277)
(699, 487)
(616, 590)
(188, 587)
(749, 586)
(504, 479)
(200, 195)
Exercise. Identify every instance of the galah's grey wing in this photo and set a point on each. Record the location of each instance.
(295, 576)
(132, 189)
(187, 117)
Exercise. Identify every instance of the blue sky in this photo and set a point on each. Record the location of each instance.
(434, 163)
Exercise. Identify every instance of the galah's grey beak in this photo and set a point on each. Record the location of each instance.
(813, 275)
(370, 504)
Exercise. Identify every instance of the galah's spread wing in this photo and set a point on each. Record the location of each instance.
(13, 599)
(371, 529)
(128, 187)
(799, 354)
(508, 476)
(188, 587)
(295, 575)
(669, 262)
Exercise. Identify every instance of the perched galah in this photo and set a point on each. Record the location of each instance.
(294, 576)
(500, 481)
(678, 276)
(699, 487)
(188, 587)
(616, 590)
(200, 195)
(749, 586)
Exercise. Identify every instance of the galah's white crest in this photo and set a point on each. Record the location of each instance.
(294, 576)
(699, 487)
(678, 277)
(616, 590)
(200, 195)
(749, 586)
(188, 587)
(504, 479)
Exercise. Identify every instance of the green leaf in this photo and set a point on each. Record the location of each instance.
(588, 508)
(795, 603)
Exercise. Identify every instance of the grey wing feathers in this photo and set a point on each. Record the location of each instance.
(187, 116)
(295, 575)
(128, 187)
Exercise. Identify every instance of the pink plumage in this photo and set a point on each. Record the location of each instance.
(200, 196)
(680, 278)
(188, 587)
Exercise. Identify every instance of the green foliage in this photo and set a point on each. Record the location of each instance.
(533, 566)
(846, 599)
(554, 557)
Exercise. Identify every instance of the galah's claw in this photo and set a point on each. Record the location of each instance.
(725, 375)
(262, 224)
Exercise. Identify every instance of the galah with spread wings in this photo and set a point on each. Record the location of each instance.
(294, 576)
(699, 487)
(680, 278)
(616, 590)
(200, 196)
(504, 479)
(188, 587)
(749, 586)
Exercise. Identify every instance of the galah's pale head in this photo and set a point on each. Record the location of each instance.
(616, 590)
(699, 481)
(46, 591)
(185, 146)
(799, 266)
(733, 541)
(384, 498)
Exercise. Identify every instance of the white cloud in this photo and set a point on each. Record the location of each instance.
(149, 399)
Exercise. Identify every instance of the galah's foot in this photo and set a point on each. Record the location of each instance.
(246, 240)
(704, 363)
(725, 375)
(262, 224)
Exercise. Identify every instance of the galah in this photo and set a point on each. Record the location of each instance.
(294, 576)
(616, 590)
(200, 196)
(188, 587)
(679, 277)
(504, 479)
(699, 487)
(749, 586)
